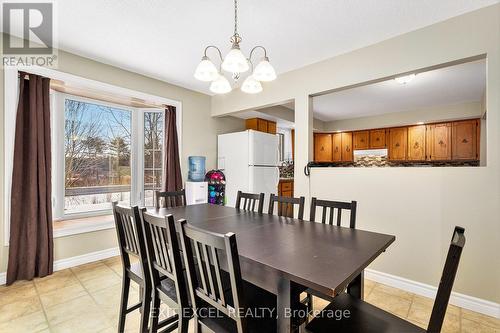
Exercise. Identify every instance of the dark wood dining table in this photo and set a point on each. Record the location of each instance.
(278, 253)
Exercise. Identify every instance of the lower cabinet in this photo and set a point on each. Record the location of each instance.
(285, 189)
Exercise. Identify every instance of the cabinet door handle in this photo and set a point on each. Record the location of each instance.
(397, 144)
(337, 149)
(322, 148)
(347, 149)
(441, 142)
(464, 141)
(377, 139)
(416, 145)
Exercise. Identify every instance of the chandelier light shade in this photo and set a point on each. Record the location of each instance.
(235, 63)
(251, 85)
(206, 70)
(264, 71)
(220, 85)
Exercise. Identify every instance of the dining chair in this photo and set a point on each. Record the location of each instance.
(329, 208)
(170, 199)
(285, 205)
(220, 304)
(364, 317)
(165, 266)
(249, 201)
(131, 244)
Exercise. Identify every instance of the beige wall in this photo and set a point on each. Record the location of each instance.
(419, 206)
(427, 115)
(199, 131)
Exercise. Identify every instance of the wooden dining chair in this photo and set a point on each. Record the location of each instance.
(204, 253)
(249, 201)
(329, 208)
(286, 205)
(364, 317)
(170, 199)
(131, 244)
(165, 266)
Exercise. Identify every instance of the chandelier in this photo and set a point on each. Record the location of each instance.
(235, 63)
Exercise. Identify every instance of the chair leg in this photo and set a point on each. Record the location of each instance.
(123, 303)
(310, 306)
(183, 322)
(145, 308)
(155, 312)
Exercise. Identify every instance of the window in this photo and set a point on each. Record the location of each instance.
(97, 156)
(104, 152)
(153, 154)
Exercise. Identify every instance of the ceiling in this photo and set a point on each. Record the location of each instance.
(445, 86)
(165, 39)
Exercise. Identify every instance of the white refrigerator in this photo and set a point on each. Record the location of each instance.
(249, 160)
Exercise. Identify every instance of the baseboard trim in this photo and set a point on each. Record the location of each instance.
(464, 301)
(76, 261)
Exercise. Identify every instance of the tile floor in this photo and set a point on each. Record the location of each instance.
(85, 299)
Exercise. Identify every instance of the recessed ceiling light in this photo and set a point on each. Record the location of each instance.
(405, 79)
(420, 123)
(339, 131)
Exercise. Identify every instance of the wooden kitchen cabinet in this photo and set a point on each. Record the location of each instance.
(271, 127)
(337, 147)
(285, 189)
(416, 143)
(361, 139)
(439, 142)
(346, 152)
(261, 125)
(323, 147)
(398, 138)
(465, 135)
(377, 139)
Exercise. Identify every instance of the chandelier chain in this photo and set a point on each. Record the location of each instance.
(236, 17)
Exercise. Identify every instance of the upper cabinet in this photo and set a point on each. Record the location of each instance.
(465, 136)
(346, 152)
(416, 143)
(377, 139)
(322, 147)
(337, 147)
(261, 125)
(439, 142)
(398, 143)
(361, 139)
(271, 127)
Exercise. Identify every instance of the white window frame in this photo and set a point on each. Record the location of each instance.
(11, 87)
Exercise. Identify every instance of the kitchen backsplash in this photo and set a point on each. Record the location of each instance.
(286, 169)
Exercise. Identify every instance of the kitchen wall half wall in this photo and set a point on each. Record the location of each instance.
(420, 206)
(199, 137)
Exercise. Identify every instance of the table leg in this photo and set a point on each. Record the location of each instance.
(284, 303)
(356, 287)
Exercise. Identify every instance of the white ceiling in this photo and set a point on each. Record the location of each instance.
(165, 39)
(445, 86)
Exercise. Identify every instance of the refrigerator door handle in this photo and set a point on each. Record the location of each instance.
(277, 178)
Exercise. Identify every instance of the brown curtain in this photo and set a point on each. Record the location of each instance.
(172, 178)
(31, 243)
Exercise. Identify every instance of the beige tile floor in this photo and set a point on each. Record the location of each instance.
(85, 299)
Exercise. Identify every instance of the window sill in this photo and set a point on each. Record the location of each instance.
(83, 225)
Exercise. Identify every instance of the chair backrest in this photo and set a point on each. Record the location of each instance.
(447, 279)
(130, 235)
(202, 251)
(249, 201)
(286, 204)
(170, 199)
(333, 206)
(163, 252)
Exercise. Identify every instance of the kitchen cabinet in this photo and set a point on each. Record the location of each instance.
(361, 139)
(261, 125)
(398, 138)
(271, 127)
(416, 143)
(377, 139)
(465, 136)
(322, 147)
(285, 189)
(439, 142)
(346, 141)
(337, 147)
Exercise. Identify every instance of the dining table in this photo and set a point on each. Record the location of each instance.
(280, 253)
